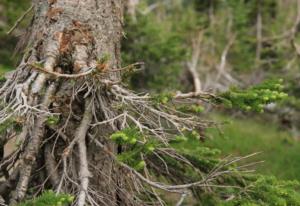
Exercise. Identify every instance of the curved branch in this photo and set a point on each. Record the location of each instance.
(81, 133)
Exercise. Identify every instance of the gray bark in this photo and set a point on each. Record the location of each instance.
(69, 37)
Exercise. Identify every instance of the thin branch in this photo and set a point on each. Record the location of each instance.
(89, 71)
(192, 65)
(109, 120)
(182, 198)
(175, 188)
(63, 75)
(20, 20)
(222, 65)
(290, 33)
(203, 95)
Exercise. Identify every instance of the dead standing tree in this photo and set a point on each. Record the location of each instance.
(71, 75)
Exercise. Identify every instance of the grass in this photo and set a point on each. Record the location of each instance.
(280, 151)
(4, 69)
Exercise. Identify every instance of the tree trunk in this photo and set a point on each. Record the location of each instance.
(67, 37)
(67, 97)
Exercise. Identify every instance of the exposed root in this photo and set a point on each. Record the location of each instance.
(26, 85)
(51, 166)
(39, 83)
(32, 149)
(80, 135)
(10, 183)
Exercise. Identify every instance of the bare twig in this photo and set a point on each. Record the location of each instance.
(70, 76)
(20, 20)
(182, 198)
(179, 188)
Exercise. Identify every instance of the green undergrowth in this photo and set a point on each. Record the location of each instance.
(272, 185)
(137, 146)
(242, 136)
(239, 188)
(254, 98)
(4, 69)
(49, 198)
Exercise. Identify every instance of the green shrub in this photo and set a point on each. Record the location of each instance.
(49, 198)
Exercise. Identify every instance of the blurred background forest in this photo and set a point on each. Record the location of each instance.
(210, 46)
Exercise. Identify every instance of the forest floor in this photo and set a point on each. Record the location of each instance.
(242, 136)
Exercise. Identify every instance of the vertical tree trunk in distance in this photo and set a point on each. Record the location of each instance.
(131, 8)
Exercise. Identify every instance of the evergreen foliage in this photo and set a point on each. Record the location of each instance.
(166, 52)
(49, 198)
(11, 123)
(10, 11)
(261, 191)
(137, 147)
(52, 120)
(254, 98)
(158, 45)
(237, 187)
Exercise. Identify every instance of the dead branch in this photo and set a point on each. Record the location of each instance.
(181, 188)
(182, 198)
(56, 74)
(80, 135)
(19, 20)
(222, 65)
(192, 65)
(203, 95)
(89, 70)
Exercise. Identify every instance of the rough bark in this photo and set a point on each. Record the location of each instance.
(67, 37)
